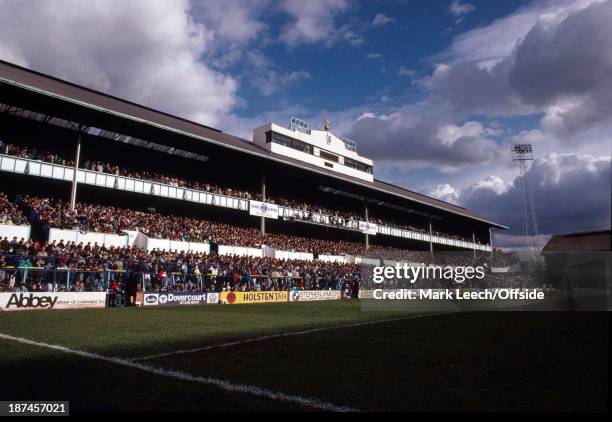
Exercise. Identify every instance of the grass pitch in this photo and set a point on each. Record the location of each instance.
(470, 361)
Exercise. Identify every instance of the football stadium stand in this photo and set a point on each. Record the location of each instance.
(100, 193)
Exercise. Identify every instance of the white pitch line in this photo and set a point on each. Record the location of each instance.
(294, 333)
(183, 376)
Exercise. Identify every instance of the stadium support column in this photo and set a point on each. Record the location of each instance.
(491, 240)
(474, 243)
(76, 169)
(430, 239)
(367, 219)
(263, 199)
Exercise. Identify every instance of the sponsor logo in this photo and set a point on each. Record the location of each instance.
(163, 299)
(30, 301)
(313, 295)
(151, 299)
(254, 297)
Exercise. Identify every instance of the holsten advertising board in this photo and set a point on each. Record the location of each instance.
(254, 297)
(36, 301)
(313, 295)
(179, 298)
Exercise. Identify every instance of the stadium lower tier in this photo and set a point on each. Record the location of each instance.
(78, 268)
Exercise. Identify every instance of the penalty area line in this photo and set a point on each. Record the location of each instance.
(184, 376)
(290, 334)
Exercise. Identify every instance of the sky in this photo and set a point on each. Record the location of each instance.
(435, 92)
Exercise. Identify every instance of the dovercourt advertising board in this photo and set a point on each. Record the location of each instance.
(254, 297)
(313, 295)
(36, 301)
(179, 298)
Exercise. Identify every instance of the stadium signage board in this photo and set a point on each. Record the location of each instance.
(35, 301)
(298, 124)
(368, 228)
(231, 298)
(173, 299)
(263, 209)
(313, 295)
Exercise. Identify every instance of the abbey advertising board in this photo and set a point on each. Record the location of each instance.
(37, 301)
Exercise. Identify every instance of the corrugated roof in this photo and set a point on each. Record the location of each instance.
(67, 91)
(591, 241)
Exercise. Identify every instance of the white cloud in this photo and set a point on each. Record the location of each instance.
(404, 71)
(445, 192)
(475, 46)
(237, 21)
(265, 79)
(542, 66)
(418, 136)
(449, 134)
(381, 20)
(148, 52)
(374, 56)
(460, 10)
(313, 21)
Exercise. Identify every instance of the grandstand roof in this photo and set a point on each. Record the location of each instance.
(590, 241)
(65, 97)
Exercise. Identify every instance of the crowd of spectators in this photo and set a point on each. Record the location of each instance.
(85, 217)
(10, 213)
(96, 267)
(35, 154)
(303, 210)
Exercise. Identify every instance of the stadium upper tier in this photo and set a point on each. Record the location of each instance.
(297, 210)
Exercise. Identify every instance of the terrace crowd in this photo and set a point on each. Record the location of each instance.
(161, 270)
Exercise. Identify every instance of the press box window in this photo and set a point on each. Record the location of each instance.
(328, 156)
(357, 165)
(277, 138)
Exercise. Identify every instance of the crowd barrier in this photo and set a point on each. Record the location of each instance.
(11, 231)
(303, 256)
(106, 239)
(240, 251)
(344, 259)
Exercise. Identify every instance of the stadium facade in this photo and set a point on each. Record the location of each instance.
(300, 166)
